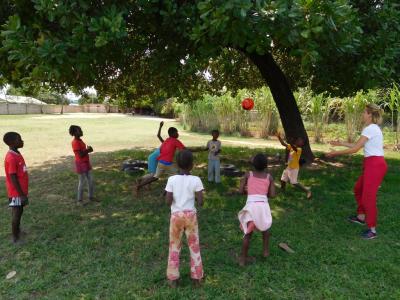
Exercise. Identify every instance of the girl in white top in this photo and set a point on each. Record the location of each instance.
(182, 191)
(374, 169)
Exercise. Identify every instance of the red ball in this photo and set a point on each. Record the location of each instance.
(248, 104)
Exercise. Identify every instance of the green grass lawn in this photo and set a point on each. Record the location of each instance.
(117, 249)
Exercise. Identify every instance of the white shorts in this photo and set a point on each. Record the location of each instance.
(290, 175)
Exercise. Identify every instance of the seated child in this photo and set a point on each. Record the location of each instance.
(291, 172)
(82, 163)
(182, 190)
(165, 159)
(16, 181)
(214, 148)
(256, 215)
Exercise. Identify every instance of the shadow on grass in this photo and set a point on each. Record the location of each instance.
(117, 248)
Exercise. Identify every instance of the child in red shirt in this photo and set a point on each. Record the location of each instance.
(165, 159)
(82, 162)
(16, 181)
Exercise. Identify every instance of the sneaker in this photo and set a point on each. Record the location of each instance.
(369, 235)
(355, 219)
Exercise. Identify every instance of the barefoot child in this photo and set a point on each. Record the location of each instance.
(165, 159)
(16, 181)
(291, 172)
(214, 148)
(182, 190)
(82, 162)
(256, 215)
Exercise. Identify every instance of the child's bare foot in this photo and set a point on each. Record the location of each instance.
(196, 282)
(173, 283)
(266, 253)
(309, 195)
(242, 261)
(246, 260)
(18, 242)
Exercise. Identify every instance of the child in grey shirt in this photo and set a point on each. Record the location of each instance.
(214, 148)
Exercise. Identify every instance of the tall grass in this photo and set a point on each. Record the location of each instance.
(267, 113)
(394, 106)
(226, 114)
(318, 109)
(353, 108)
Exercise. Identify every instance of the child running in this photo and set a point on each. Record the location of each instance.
(82, 162)
(256, 215)
(182, 190)
(165, 159)
(291, 172)
(16, 181)
(214, 148)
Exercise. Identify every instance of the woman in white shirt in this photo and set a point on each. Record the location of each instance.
(374, 169)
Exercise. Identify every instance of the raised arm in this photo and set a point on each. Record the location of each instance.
(278, 135)
(159, 132)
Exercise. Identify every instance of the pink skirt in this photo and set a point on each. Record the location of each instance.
(257, 212)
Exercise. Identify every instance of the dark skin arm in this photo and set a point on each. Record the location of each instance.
(83, 153)
(17, 186)
(283, 143)
(159, 132)
(169, 198)
(243, 183)
(271, 189)
(199, 198)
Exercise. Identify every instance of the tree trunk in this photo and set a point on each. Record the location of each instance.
(284, 99)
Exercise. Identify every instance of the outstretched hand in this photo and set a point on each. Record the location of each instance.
(161, 124)
(330, 154)
(90, 149)
(336, 143)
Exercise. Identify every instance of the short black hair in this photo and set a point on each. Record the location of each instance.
(184, 159)
(73, 129)
(10, 137)
(172, 130)
(215, 131)
(260, 162)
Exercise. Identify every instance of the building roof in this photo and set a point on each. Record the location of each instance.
(20, 99)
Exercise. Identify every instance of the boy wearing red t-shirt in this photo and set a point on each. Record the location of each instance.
(16, 181)
(165, 159)
(82, 162)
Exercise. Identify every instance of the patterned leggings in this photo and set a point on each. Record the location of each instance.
(184, 221)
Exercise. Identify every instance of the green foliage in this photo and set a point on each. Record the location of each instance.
(353, 108)
(318, 109)
(226, 114)
(136, 49)
(88, 98)
(41, 92)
